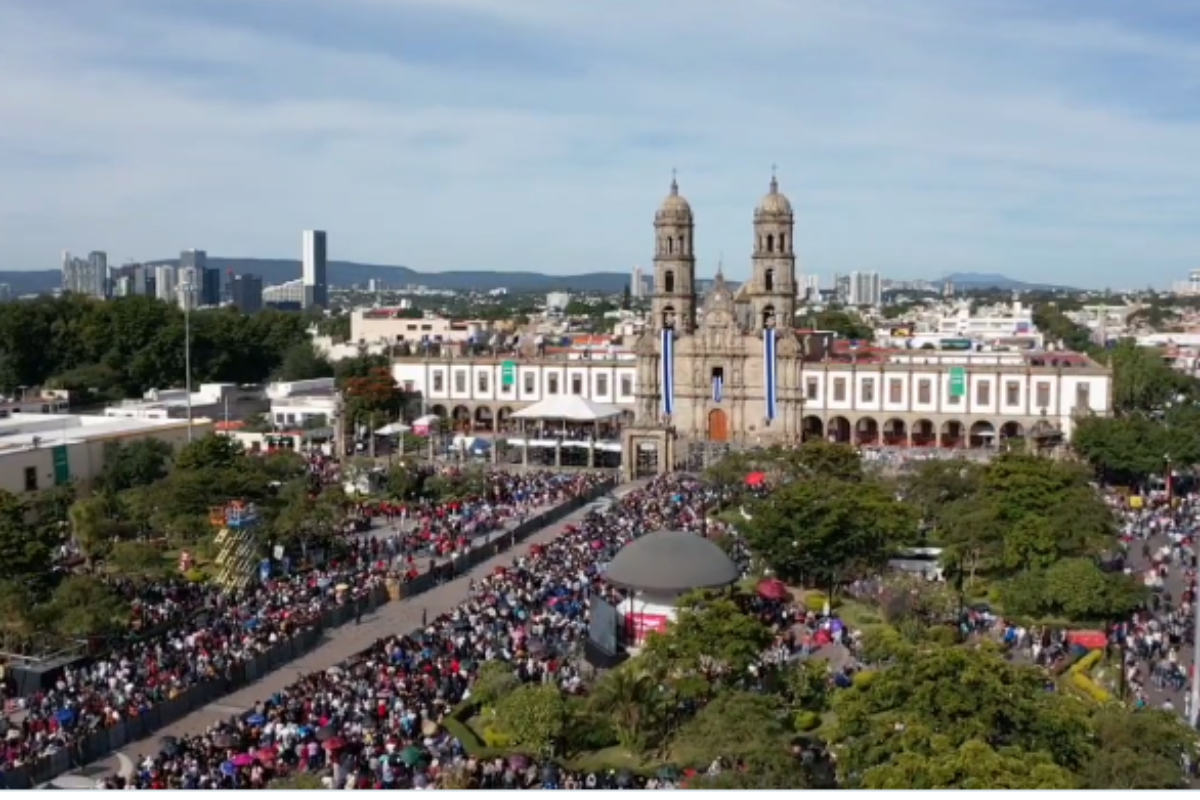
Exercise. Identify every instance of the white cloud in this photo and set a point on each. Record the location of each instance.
(914, 136)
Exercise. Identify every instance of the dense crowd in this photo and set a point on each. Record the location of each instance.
(376, 723)
(215, 629)
(1158, 541)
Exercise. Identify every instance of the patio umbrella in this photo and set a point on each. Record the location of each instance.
(256, 720)
(756, 479)
(773, 589)
(411, 756)
(336, 743)
(242, 760)
(65, 716)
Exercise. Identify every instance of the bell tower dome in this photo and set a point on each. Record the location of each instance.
(674, 300)
(772, 288)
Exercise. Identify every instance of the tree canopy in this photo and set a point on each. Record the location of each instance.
(106, 350)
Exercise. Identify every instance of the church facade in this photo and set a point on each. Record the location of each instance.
(725, 368)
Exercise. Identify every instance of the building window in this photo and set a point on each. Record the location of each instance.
(1083, 397)
(602, 385)
(460, 381)
(576, 384)
(552, 384)
(1012, 394)
(924, 391)
(31, 479)
(439, 381)
(482, 381)
(896, 390)
(811, 389)
(983, 393)
(1043, 394)
(868, 390)
(626, 386)
(505, 388)
(839, 390)
(528, 378)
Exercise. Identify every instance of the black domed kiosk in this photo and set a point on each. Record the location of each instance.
(656, 569)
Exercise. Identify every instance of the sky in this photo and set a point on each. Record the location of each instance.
(1047, 141)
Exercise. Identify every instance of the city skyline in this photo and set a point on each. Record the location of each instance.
(915, 138)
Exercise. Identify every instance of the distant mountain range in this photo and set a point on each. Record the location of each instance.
(990, 280)
(347, 273)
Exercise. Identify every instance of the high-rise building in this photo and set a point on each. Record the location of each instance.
(191, 284)
(810, 287)
(246, 293)
(97, 274)
(210, 287)
(637, 283)
(314, 269)
(165, 282)
(865, 289)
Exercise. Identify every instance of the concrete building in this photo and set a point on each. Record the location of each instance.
(214, 400)
(371, 325)
(41, 451)
(558, 301)
(315, 268)
(738, 373)
(637, 284)
(290, 294)
(482, 393)
(166, 283)
(246, 293)
(85, 276)
(865, 289)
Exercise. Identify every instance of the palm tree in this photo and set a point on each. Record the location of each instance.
(631, 698)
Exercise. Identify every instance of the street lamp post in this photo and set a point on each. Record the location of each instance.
(185, 291)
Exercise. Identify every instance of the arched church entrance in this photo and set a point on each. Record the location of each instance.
(718, 426)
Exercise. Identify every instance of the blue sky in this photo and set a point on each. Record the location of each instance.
(1055, 141)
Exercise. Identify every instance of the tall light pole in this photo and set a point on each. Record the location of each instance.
(185, 296)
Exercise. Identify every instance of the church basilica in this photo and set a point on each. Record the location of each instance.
(727, 369)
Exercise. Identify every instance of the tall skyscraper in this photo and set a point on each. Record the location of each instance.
(246, 293)
(68, 272)
(865, 289)
(165, 283)
(637, 283)
(191, 284)
(313, 273)
(97, 274)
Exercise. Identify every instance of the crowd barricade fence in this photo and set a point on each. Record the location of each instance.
(103, 743)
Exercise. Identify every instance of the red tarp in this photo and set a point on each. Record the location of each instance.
(1092, 640)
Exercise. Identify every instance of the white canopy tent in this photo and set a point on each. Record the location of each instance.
(392, 429)
(569, 407)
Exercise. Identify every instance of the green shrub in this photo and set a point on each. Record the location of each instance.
(807, 721)
(495, 739)
(195, 576)
(942, 635)
(865, 677)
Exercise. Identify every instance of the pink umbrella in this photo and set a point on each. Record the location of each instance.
(242, 760)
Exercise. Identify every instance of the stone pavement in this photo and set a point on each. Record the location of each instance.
(340, 644)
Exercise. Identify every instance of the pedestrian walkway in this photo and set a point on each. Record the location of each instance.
(341, 643)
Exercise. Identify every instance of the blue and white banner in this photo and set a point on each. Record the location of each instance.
(769, 371)
(718, 384)
(668, 371)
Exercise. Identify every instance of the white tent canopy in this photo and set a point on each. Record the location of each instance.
(393, 428)
(570, 407)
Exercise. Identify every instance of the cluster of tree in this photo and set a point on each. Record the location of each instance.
(845, 323)
(688, 699)
(939, 716)
(947, 717)
(127, 345)
(826, 522)
(1033, 525)
(1156, 419)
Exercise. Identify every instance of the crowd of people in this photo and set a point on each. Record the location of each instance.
(376, 722)
(1158, 538)
(209, 630)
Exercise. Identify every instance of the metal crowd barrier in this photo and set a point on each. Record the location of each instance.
(102, 743)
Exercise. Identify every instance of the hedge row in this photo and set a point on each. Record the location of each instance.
(1079, 678)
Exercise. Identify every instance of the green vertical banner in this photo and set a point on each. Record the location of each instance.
(958, 381)
(62, 465)
(508, 373)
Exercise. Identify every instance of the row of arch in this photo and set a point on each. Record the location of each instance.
(485, 419)
(922, 432)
